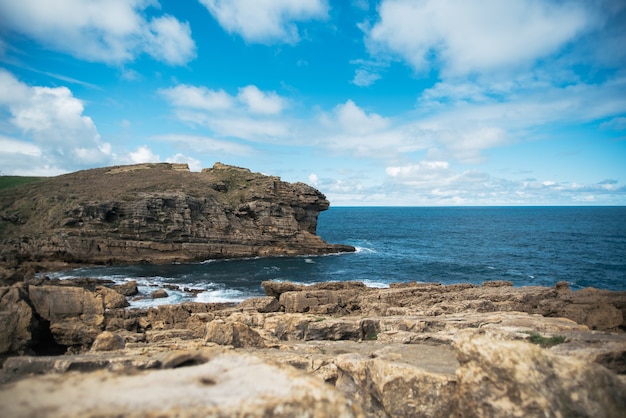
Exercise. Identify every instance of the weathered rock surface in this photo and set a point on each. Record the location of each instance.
(226, 386)
(18, 323)
(76, 315)
(598, 309)
(410, 350)
(158, 213)
(515, 379)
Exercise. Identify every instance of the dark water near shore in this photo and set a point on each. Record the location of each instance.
(585, 246)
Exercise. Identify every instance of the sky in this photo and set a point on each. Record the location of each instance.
(386, 102)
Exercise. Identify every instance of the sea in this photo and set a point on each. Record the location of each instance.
(529, 246)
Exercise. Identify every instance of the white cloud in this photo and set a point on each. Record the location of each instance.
(197, 97)
(170, 41)
(52, 120)
(354, 120)
(251, 115)
(369, 71)
(15, 147)
(464, 36)
(313, 179)
(142, 154)
(206, 145)
(349, 129)
(364, 78)
(259, 102)
(265, 21)
(251, 129)
(110, 31)
(194, 165)
(438, 183)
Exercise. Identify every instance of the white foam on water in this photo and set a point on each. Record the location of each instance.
(145, 300)
(226, 260)
(375, 283)
(364, 250)
(221, 296)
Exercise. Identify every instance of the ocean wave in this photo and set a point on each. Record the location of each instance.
(365, 250)
(221, 296)
(375, 283)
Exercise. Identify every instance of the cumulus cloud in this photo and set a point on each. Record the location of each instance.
(51, 123)
(250, 115)
(350, 129)
(265, 21)
(186, 96)
(170, 41)
(355, 120)
(143, 154)
(109, 31)
(477, 36)
(259, 102)
(205, 145)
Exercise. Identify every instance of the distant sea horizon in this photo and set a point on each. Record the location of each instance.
(527, 245)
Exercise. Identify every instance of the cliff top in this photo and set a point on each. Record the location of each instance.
(51, 198)
(118, 181)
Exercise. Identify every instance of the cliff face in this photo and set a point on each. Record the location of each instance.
(159, 213)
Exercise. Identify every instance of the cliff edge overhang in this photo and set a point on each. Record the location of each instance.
(159, 213)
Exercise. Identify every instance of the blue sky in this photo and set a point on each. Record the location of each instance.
(389, 102)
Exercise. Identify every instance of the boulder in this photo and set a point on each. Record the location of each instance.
(236, 334)
(518, 379)
(158, 294)
(395, 389)
(76, 315)
(111, 298)
(107, 341)
(127, 289)
(17, 321)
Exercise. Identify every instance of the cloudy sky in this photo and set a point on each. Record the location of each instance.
(386, 102)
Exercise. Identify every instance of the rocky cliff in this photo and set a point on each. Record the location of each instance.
(159, 213)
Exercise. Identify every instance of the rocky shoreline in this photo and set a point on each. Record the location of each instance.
(73, 348)
(332, 349)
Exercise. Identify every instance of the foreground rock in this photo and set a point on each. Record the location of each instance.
(514, 379)
(158, 213)
(489, 378)
(410, 350)
(226, 386)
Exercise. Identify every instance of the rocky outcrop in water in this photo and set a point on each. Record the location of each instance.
(157, 213)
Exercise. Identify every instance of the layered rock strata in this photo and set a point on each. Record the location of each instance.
(410, 350)
(158, 213)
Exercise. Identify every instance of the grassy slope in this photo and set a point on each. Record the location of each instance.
(12, 181)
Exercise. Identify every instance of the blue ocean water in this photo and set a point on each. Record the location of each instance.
(585, 246)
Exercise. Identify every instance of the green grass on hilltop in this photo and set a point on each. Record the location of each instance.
(13, 181)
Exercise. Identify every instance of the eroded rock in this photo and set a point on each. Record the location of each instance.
(517, 379)
(227, 385)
